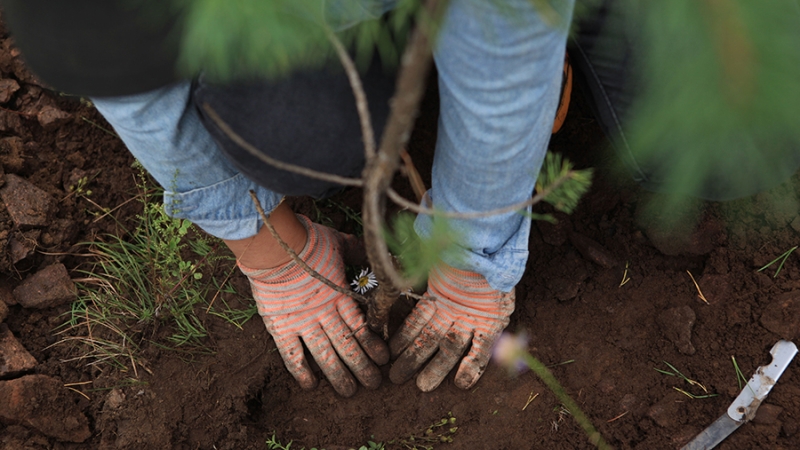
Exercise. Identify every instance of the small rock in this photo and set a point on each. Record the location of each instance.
(782, 316)
(606, 386)
(28, 205)
(51, 117)
(14, 359)
(114, 399)
(676, 325)
(6, 296)
(593, 251)
(23, 244)
(46, 288)
(3, 311)
(11, 151)
(666, 412)
(628, 401)
(767, 414)
(555, 234)
(41, 402)
(8, 87)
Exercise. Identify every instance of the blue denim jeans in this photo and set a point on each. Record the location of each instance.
(499, 81)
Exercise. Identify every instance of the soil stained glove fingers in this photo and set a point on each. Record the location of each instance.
(296, 306)
(324, 354)
(422, 314)
(291, 350)
(451, 348)
(371, 343)
(423, 347)
(467, 312)
(351, 353)
(474, 364)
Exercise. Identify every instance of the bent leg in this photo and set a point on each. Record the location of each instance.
(499, 80)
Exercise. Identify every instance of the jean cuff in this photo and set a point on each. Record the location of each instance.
(503, 269)
(225, 209)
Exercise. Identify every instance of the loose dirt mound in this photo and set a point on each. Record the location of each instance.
(602, 338)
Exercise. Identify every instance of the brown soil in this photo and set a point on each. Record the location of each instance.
(570, 303)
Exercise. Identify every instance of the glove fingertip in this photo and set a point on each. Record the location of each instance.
(427, 383)
(379, 352)
(466, 379)
(403, 369)
(306, 380)
(371, 378)
(396, 345)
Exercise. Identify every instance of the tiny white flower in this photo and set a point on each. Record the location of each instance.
(364, 281)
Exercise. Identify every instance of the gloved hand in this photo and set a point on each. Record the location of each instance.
(466, 311)
(295, 306)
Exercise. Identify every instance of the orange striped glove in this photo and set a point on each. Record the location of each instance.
(467, 312)
(295, 307)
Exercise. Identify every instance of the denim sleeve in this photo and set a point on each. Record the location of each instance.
(163, 131)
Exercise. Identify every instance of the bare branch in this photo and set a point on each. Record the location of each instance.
(310, 173)
(397, 198)
(314, 274)
(362, 106)
(415, 65)
(413, 175)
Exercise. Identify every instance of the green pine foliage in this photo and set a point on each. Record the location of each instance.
(719, 96)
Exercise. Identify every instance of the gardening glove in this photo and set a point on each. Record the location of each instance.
(464, 311)
(295, 307)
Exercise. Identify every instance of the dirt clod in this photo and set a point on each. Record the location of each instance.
(51, 117)
(42, 403)
(46, 288)
(666, 412)
(28, 205)
(782, 316)
(14, 359)
(593, 251)
(767, 414)
(8, 87)
(22, 244)
(3, 311)
(676, 325)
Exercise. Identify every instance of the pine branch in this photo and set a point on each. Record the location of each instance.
(413, 207)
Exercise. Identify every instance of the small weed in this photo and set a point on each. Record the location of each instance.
(677, 373)
(150, 278)
(350, 214)
(782, 258)
(740, 378)
(439, 432)
(372, 445)
(274, 444)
